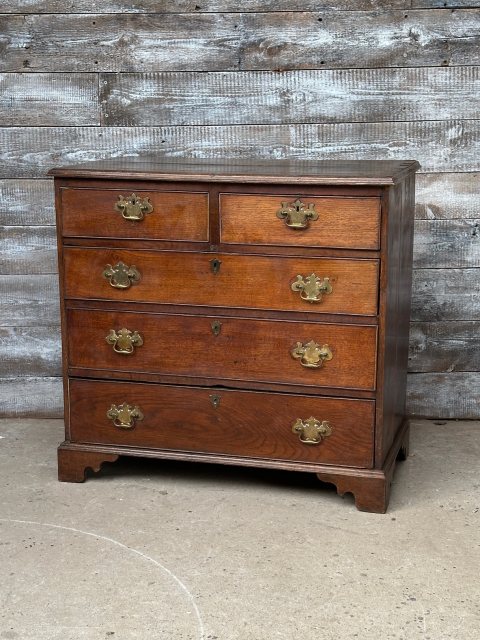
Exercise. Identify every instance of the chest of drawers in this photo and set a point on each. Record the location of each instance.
(252, 314)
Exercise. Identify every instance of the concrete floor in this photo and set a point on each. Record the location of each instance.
(179, 551)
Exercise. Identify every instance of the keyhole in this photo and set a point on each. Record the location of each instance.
(215, 400)
(216, 327)
(215, 265)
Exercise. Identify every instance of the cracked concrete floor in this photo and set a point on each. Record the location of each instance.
(152, 549)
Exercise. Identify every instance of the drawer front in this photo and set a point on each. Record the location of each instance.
(251, 424)
(112, 213)
(239, 281)
(352, 223)
(223, 348)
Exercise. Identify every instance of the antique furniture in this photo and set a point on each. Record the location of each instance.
(253, 314)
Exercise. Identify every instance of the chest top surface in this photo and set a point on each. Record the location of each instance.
(347, 172)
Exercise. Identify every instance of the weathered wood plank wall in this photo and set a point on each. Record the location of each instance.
(219, 78)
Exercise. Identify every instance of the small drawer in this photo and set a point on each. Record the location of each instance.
(120, 213)
(314, 285)
(303, 221)
(310, 354)
(250, 424)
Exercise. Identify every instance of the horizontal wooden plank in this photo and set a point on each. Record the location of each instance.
(444, 395)
(446, 294)
(444, 346)
(29, 301)
(447, 243)
(229, 41)
(265, 97)
(119, 42)
(31, 397)
(24, 202)
(439, 146)
(447, 196)
(28, 250)
(53, 99)
(439, 4)
(381, 38)
(30, 351)
(188, 6)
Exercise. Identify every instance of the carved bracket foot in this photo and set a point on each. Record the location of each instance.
(72, 464)
(370, 493)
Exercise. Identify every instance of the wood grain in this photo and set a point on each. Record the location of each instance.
(29, 301)
(447, 196)
(30, 351)
(444, 346)
(342, 222)
(250, 424)
(445, 294)
(243, 281)
(27, 250)
(447, 244)
(306, 96)
(229, 41)
(439, 146)
(176, 215)
(26, 202)
(448, 396)
(209, 6)
(251, 350)
(54, 99)
(380, 39)
(27, 396)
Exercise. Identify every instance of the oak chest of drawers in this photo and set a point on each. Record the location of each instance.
(252, 314)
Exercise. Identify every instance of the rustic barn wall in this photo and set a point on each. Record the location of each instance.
(222, 78)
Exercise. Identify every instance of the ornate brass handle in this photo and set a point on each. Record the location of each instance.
(312, 288)
(121, 276)
(124, 416)
(295, 214)
(312, 431)
(133, 207)
(311, 354)
(124, 341)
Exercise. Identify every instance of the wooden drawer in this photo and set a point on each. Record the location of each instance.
(244, 349)
(352, 223)
(251, 424)
(176, 215)
(242, 281)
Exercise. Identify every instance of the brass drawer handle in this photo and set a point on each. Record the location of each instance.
(312, 288)
(124, 341)
(133, 207)
(121, 276)
(295, 214)
(311, 354)
(312, 431)
(124, 416)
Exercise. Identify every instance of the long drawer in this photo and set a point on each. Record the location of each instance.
(322, 285)
(119, 213)
(301, 353)
(352, 223)
(251, 424)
